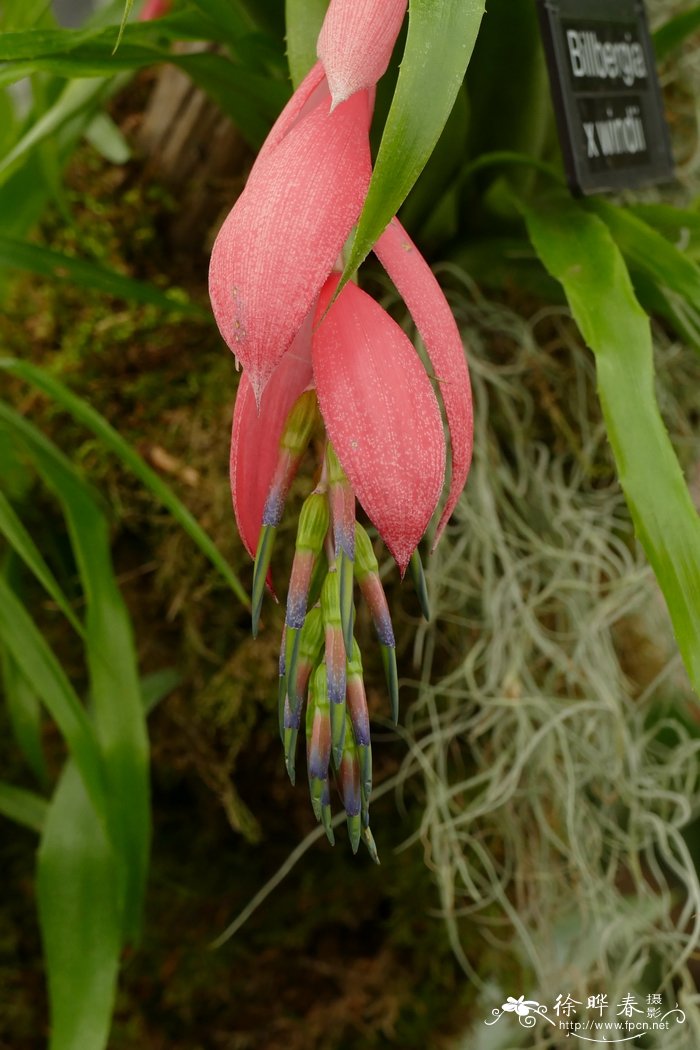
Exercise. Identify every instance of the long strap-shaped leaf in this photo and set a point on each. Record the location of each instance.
(115, 691)
(304, 19)
(675, 31)
(110, 438)
(578, 250)
(38, 259)
(648, 250)
(441, 37)
(80, 915)
(19, 539)
(44, 673)
(24, 807)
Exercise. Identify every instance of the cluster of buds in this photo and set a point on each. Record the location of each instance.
(326, 367)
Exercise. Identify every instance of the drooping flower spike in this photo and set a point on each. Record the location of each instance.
(336, 373)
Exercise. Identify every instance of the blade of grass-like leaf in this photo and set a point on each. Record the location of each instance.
(651, 252)
(110, 438)
(40, 43)
(304, 19)
(19, 539)
(155, 687)
(115, 691)
(80, 918)
(36, 660)
(232, 18)
(24, 712)
(673, 33)
(45, 262)
(243, 88)
(78, 96)
(22, 806)
(439, 44)
(122, 25)
(22, 703)
(21, 14)
(678, 225)
(105, 137)
(578, 250)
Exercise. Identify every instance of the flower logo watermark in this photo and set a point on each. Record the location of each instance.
(625, 1022)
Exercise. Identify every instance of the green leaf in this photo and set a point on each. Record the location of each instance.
(24, 712)
(78, 97)
(22, 543)
(21, 14)
(115, 691)
(45, 262)
(122, 25)
(37, 43)
(439, 45)
(105, 137)
(233, 20)
(304, 19)
(507, 263)
(110, 438)
(673, 33)
(678, 225)
(442, 167)
(22, 703)
(22, 806)
(36, 660)
(79, 914)
(578, 250)
(676, 277)
(244, 89)
(156, 686)
(8, 122)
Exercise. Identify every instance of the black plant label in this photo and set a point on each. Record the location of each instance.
(605, 88)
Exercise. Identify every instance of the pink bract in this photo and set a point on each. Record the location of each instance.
(284, 234)
(356, 42)
(431, 312)
(381, 415)
(256, 434)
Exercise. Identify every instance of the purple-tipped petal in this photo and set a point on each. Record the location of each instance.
(356, 700)
(335, 643)
(335, 662)
(318, 728)
(373, 593)
(256, 435)
(430, 310)
(299, 581)
(342, 504)
(356, 41)
(284, 234)
(349, 778)
(381, 415)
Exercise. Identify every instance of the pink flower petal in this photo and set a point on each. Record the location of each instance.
(356, 42)
(381, 415)
(310, 93)
(284, 234)
(153, 9)
(256, 435)
(430, 310)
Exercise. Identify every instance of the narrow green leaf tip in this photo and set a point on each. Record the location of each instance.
(418, 577)
(392, 679)
(263, 555)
